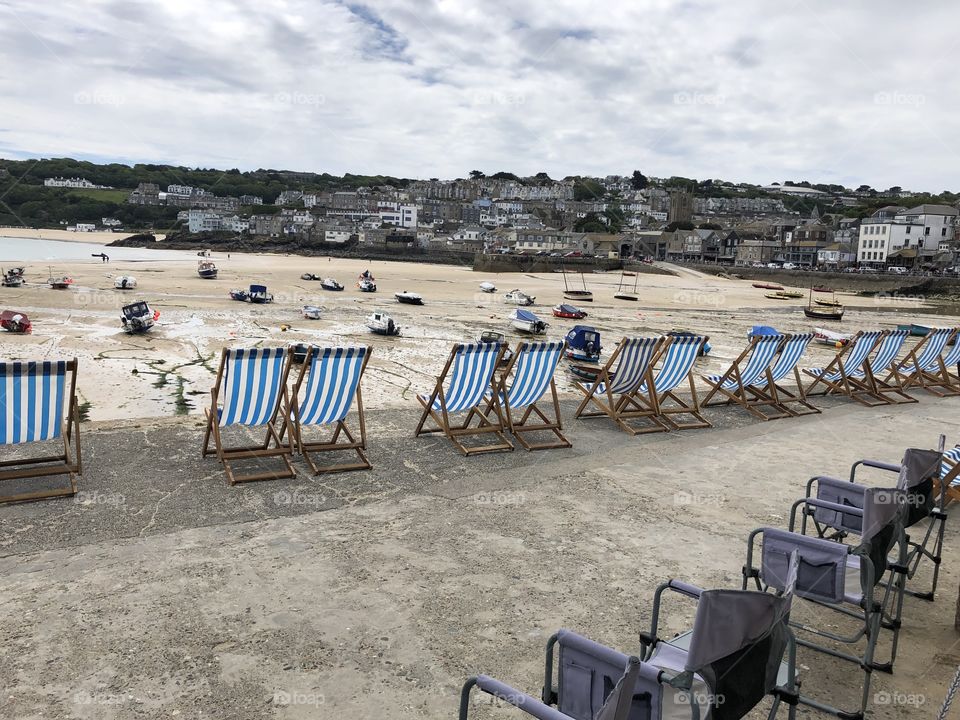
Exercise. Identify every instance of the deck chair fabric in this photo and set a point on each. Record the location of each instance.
(532, 366)
(658, 402)
(620, 380)
(768, 388)
(884, 360)
(734, 384)
(922, 363)
(38, 404)
(333, 383)
(846, 374)
(250, 390)
(469, 375)
(943, 378)
(949, 482)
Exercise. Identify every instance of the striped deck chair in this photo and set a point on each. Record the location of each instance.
(883, 361)
(922, 363)
(333, 380)
(944, 378)
(676, 366)
(620, 379)
(775, 395)
(533, 366)
(845, 373)
(250, 390)
(950, 475)
(38, 402)
(734, 383)
(473, 366)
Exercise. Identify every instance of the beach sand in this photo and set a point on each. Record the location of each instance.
(98, 237)
(171, 370)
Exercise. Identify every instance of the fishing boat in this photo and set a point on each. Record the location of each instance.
(310, 312)
(138, 317)
(488, 287)
(258, 294)
(518, 297)
(492, 336)
(833, 312)
(568, 311)
(831, 338)
(583, 344)
(207, 270)
(239, 294)
(382, 324)
(408, 298)
(767, 286)
(526, 322)
(783, 295)
(827, 303)
(330, 284)
(125, 282)
(704, 349)
(60, 283)
(366, 285)
(572, 294)
(915, 330)
(624, 293)
(15, 321)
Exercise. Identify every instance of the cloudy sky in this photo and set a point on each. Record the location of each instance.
(860, 92)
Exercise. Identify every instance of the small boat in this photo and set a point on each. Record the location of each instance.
(258, 294)
(488, 287)
(915, 330)
(518, 297)
(492, 336)
(300, 351)
(60, 283)
(125, 282)
(138, 318)
(408, 298)
(366, 285)
(583, 344)
(831, 338)
(309, 276)
(310, 312)
(239, 294)
(584, 372)
(827, 303)
(15, 321)
(366, 275)
(824, 313)
(623, 293)
(767, 286)
(568, 311)
(704, 349)
(761, 330)
(783, 295)
(526, 322)
(331, 284)
(13, 277)
(822, 288)
(581, 295)
(207, 270)
(382, 324)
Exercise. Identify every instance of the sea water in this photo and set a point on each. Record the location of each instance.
(39, 250)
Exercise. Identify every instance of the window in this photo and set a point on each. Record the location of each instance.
(909, 229)
(926, 231)
(943, 232)
(884, 229)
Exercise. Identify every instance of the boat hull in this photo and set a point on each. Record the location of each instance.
(823, 314)
(581, 295)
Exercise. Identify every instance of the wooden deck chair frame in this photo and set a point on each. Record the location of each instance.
(340, 427)
(847, 385)
(485, 424)
(777, 396)
(890, 390)
(943, 378)
(272, 445)
(921, 378)
(618, 408)
(742, 395)
(948, 491)
(68, 463)
(519, 427)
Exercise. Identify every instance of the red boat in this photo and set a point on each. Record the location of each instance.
(568, 311)
(768, 286)
(15, 322)
(822, 288)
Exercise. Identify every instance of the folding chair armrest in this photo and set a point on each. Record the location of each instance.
(826, 505)
(684, 588)
(648, 641)
(891, 467)
(818, 479)
(510, 695)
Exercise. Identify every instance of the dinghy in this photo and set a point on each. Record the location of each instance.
(831, 338)
(60, 283)
(239, 294)
(583, 344)
(310, 312)
(331, 284)
(13, 278)
(125, 282)
(138, 318)
(207, 270)
(258, 294)
(382, 324)
(526, 322)
(488, 287)
(518, 297)
(492, 336)
(624, 293)
(568, 311)
(581, 295)
(408, 298)
(15, 321)
(366, 285)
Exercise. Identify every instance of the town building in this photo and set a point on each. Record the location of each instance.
(145, 194)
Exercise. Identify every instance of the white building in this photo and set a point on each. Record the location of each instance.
(69, 183)
(398, 214)
(920, 230)
(110, 222)
(199, 220)
(85, 227)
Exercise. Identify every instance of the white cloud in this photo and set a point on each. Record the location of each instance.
(745, 91)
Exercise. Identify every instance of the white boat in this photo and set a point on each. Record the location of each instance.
(310, 312)
(488, 287)
(409, 298)
(830, 337)
(492, 336)
(124, 282)
(138, 317)
(330, 284)
(518, 297)
(366, 285)
(526, 322)
(382, 324)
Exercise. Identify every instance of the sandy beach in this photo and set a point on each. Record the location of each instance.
(170, 370)
(98, 237)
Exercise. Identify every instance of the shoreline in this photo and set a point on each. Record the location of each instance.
(97, 237)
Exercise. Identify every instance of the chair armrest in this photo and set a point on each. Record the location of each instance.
(845, 509)
(891, 467)
(684, 588)
(510, 695)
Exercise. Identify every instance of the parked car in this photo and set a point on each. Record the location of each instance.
(543, 253)
(897, 270)
(773, 266)
(756, 264)
(554, 254)
(574, 253)
(869, 270)
(789, 266)
(849, 270)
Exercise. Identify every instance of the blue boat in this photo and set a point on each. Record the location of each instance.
(258, 294)
(526, 322)
(704, 349)
(583, 344)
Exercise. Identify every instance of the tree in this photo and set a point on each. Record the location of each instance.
(504, 176)
(864, 188)
(590, 223)
(542, 178)
(681, 225)
(476, 175)
(895, 190)
(639, 181)
(587, 189)
(710, 226)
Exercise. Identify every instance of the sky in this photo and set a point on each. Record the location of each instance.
(748, 91)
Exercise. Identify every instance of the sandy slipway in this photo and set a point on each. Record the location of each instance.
(163, 593)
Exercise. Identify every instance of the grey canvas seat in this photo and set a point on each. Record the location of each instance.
(855, 581)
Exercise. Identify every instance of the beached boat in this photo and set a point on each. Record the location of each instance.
(760, 330)
(12, 278)
(584, 372)
(823, 313)
(309, 276)
(492, 336)
(822, 288)
(207, 270)
(366, 285)
(625, 293)
(704, 349)
(138, 317)
(827, 303)
(526, 322)
(239, 294)
(518, 297)
(382, 324)
(831, 338)
(300, 351)
(15, 321)
(311, 312)
(408, 298)
(767, 286)
(573, 294)
(568, 311)
(125, 282)
(258, 294)
(583, 344)
(488, 287)
(60, 283)
(915, 330)
(783, 295)
(330, 284)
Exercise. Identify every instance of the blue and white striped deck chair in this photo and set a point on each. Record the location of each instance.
(922, 363)
(250, 391)
(943, 376)
(769, 390)
(676, 365)
(882, 363)
(734, 384)
(333, 381)
(470, 368)
(840, 374)
(38, 403)
(620, 379)
(532, 366)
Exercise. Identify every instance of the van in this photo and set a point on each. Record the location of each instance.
(789, 266)
(897, 270)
